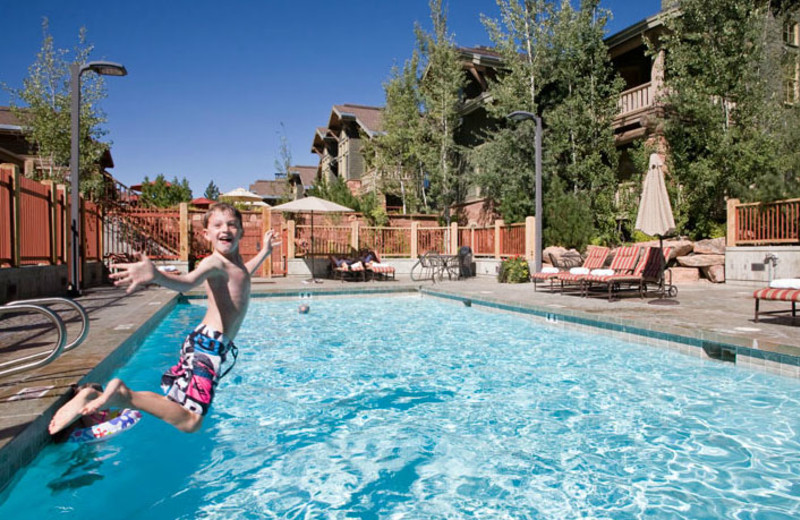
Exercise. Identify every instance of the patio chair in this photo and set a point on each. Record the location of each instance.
(595, 260)
(650, 269)
(560, 265)
(347, 267)
(376, 267)
(782, 289)
(425, 267)
(623, 263)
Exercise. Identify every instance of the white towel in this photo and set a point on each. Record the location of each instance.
(356, 266)
(550, 270)
(579, 270)
(602, 272)
(785, 283)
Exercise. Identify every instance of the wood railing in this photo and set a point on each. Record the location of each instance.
(770, 223)
(636, 98)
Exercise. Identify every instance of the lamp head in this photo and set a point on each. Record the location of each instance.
(521, 115)
(105, 68)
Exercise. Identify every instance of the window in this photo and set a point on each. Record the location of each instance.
(791, 83)
(791, 34)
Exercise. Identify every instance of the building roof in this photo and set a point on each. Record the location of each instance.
(370, 119)
(307, 174)
(270, 189)
(8, 121)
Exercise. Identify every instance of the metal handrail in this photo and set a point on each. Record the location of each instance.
(61, 329)
(66, 301)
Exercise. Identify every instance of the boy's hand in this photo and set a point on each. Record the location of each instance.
(270, 241)
(135, 274)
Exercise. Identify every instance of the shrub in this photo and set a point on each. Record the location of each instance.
(514, 270)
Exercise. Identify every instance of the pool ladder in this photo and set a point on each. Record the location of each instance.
(46, 357)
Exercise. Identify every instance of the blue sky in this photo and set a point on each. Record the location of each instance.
(209, 83)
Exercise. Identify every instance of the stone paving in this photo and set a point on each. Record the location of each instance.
(118, 324)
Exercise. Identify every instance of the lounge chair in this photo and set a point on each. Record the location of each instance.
(624, 262)
(650, 269)
(374, 265)
(560, 265)
(783, 289)
(595, 260)
(345, 267)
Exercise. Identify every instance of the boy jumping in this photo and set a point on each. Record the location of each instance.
(189, 385)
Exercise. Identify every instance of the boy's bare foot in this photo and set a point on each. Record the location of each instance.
(71, 411)
(116, 395)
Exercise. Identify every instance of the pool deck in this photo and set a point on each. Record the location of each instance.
(707, 314)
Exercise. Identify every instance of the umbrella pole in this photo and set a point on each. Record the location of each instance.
(313, 278)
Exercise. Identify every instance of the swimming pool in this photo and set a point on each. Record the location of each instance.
(410, 407)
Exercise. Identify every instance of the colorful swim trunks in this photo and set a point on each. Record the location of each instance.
(192, 381)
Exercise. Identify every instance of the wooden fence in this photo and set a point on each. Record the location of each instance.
(34, 220)
(34, 217)
(773, 223)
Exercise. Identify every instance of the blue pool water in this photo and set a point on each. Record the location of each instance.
(413, 408)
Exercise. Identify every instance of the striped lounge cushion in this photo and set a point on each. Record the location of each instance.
(381, 268)
(788, 295)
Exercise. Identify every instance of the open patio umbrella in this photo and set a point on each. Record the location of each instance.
(312, 205)
(241, 195)
(655, 211)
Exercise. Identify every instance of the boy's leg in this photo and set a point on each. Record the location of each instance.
(118, 395)
(71, 411)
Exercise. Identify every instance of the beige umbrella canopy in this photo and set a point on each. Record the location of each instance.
(655, 212)
(241, 195)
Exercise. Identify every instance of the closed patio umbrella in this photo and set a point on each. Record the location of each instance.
(655, 211)
(311, 205)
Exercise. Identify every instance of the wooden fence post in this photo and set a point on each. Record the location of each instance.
(290, 239)
(62, 230)
(454, 238)
(354, 230)
(266, 225)
(414, 245)
(730, 236)
(498, 237)
(530, 237)
(16, 211)
(183, 231)
(52, 203)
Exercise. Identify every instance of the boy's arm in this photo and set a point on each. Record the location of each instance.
(144, 271)
(254, 263)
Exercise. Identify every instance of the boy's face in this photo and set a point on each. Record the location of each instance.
(224, 232)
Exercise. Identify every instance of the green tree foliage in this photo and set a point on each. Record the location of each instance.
(728, 131)
(43, 105)
(558, 68)
(212, 191)
(440, 93)
(336, 190)
(162, 194)
(393, 155)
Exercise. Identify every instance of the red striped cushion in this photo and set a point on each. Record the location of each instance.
(569, 277)
(596, 259)
(625, 258)
(544, 276)
(381, 268)
(789, 295)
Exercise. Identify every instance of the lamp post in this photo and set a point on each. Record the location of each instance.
(76, 69)
(520, 115)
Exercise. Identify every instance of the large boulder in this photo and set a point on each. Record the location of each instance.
(680, 247)
(715, 273)
(561, 257)
(710, 246)
(701, 260)
(679, 275)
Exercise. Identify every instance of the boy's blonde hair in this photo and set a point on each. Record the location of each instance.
(222, 207)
